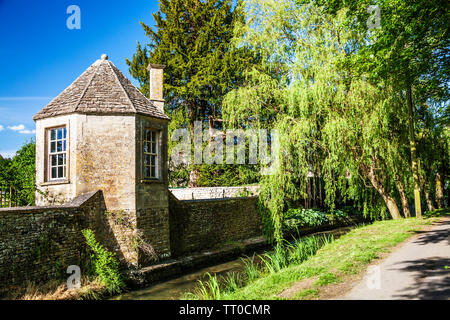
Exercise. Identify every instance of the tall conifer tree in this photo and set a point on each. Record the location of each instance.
(193, 39)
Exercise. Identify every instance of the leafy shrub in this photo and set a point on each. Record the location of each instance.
(339, 215)
(105, 264)
(295, 219)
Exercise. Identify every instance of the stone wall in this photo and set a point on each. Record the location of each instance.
(39, 243)
(196, 225)
(213, 192)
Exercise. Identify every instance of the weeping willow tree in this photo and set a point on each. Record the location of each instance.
(331, 121)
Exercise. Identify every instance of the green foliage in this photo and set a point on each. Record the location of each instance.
(209, 290)
(208, 175)
(274, 261)
(307, 217)
(349, 254)
(105, 264)
(193, 39)
(327, 278)
(444, 212)
(251, 269)
(233, 281)
(43, 246)
(336, 93)
(339, 215)
(409, 51)
(19, 173)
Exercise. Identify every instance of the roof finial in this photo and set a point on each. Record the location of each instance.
(104, 56)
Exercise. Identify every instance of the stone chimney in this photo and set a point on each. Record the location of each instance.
(156, 84)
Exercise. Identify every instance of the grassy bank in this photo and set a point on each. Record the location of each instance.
(335, 262)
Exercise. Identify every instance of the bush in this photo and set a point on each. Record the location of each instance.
(295, 219)
(105, 264)
(308, 217)
(339, 215)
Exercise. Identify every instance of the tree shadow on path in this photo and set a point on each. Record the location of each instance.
(432, 275)
(434, 236)
(432, 281)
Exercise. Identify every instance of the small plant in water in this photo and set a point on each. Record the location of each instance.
(210, 289)
(250, 268)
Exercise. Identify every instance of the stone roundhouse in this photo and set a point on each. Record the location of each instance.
(102, 133)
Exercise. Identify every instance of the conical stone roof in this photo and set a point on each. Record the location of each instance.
(101, 89)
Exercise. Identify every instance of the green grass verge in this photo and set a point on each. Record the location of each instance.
(348, 255)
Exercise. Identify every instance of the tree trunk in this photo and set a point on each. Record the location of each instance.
(412, 142)
(440, 190)
(308, 189)
(194, 175)
(403, 197)
(388, 200)
(428, 199)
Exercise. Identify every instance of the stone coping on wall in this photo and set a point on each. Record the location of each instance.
(215, 199)
(203, 193)
(75, 203)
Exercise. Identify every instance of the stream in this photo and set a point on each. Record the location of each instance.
(174, 289)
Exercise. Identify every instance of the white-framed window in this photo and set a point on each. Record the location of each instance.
(57, 153)
(150, 152)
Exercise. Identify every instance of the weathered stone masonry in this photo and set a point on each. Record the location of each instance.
(39, 243)
(203, 224)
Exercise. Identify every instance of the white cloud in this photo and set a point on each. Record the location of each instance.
(17, 128)
(23, 98)
(26, 131)
(21, 129)
(7, 153)
(1, 128)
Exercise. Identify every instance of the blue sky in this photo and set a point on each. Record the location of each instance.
(40, 56)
